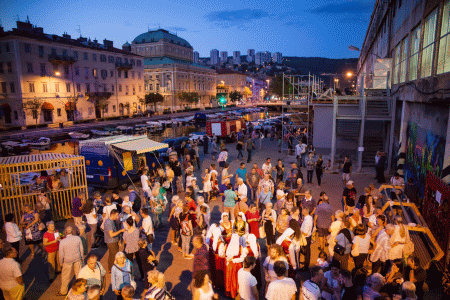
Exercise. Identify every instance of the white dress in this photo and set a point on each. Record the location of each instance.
(207, 183)
(397, 251)
(206, 296)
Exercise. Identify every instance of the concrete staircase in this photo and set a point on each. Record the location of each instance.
(348, 128)
(372, 144)
(378, 108)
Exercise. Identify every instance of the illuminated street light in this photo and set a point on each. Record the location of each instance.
(57, 73)
(349, 74)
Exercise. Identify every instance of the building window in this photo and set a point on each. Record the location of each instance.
(27, 48)
(111, 73)
(44, 88)
(77, 71)
(119, 74)
(75, 55)
(78, 88)
(68, 87)
(94, 72)
(56, 87)
(132, 74)
(102, 57)
(30, 68)
(132, 62)
(125, 74)
(443, 64)
(88, 88)
(151, 87)
(94, 57)
(403, 60)
(3, 85)
(31, 87)
(134, 107)
(1, 68)
(126, 89)
(125, 60)
(111, 59)
(140, 88)
(66, 71)
(86, 73)
(12, 88)
(112, 88)
(16, 115)
(48, 115)
(85, 56)
(53, 51)
(429, 34)
(7, 47)
(139, 75)
(64, 52)
(138, 63)
(35, 114)
(114, 108)
(134, 90)
(58, 112)
(119, 59)
(43, 70)
(120, 88)
(105, 108)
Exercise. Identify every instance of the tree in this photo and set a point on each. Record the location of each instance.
(154, 98)
(189, 97)
(33, 106)
(235, 96)
(276, 86)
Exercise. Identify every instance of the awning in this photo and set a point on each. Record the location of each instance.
(142, 145)
(70, 106)
(47, 106)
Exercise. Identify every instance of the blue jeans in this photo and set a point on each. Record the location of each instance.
(174, 185)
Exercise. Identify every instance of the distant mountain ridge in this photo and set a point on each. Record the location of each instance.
(319, 65)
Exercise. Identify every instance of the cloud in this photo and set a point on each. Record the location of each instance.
(349, 7)
(228, 18)
(177, 29)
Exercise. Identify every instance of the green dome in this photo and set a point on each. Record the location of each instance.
(154, 36)
(126, 44)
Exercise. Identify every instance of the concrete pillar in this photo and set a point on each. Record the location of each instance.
(446, 166)
(333, 132)
(391, 132)
(361, 131)
(402, 139)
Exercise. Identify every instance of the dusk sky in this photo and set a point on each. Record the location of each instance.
(294, 27)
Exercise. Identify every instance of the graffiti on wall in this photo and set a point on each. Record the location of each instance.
(424, 152)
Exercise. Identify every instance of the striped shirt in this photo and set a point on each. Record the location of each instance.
(156, 293)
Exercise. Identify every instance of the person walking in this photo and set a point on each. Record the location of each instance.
(111, 236)
(310, 164)
(13, 233)
(121, 274)
(70, 257)
(361, 245)
(77, 204)
(201, 256)
(380, 167)
(319, 170)
(94, 273)
(322, 220)
(90, 212)
(30, 224)
(269, 220)
(239, 148)
(249, 146)
(306, 230)
(51, 241)
(186, 231)
(203, 287)
(230, 201)
(311, 288)
(157, 289)
(11, 281)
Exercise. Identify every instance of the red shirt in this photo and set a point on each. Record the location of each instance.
(51, 237)
(192, 205)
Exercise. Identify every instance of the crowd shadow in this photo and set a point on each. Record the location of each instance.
(182, 289)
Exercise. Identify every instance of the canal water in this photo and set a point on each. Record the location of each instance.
(71, 146)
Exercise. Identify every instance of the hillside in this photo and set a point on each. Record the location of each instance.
(319, 65)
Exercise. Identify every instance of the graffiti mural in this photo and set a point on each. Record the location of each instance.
(424, 152)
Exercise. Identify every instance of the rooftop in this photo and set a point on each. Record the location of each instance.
(163, 60)
(27, 30)
(160, 34)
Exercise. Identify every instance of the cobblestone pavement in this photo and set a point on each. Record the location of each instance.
(176, 269)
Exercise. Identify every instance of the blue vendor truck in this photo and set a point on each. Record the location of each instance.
(113, 161)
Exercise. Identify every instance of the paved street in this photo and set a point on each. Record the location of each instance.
(177, 269)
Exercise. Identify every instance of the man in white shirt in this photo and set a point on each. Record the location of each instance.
(267, 167)
(311, 288)
(247, 282)
(146, 184)
(93, 272)
(70, 257)
(283, 288)
(147, 227)
(380, 254)
(306, 229)
(242, 189)
(11, 281)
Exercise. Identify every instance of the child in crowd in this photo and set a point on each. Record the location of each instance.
(126, 202)
(322, 261)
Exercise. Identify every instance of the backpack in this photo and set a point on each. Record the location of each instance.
(185, 229)
(137, 203)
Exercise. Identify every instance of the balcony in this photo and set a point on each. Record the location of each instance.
(59, 59)
(123, 66)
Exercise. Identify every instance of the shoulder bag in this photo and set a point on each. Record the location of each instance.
(132, 282)
(338, 248)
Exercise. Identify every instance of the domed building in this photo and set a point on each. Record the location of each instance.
(169, 69)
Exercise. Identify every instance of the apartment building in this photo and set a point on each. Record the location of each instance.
(223, 57)
(250, 55)
(46, 78)
(236, 57)
(214, 57)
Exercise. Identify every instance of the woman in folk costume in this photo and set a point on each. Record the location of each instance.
(226, 226)
(240, 225)
(235, 255)
(289, 248)
(254, 250)
(220, 263)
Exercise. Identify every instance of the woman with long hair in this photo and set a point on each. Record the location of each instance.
(131, 240)
(361, 245)
(90, 213)
(203, 287)
(206, 185)
(398, 239)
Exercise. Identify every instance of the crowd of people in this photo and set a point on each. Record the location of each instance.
(361, 256)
